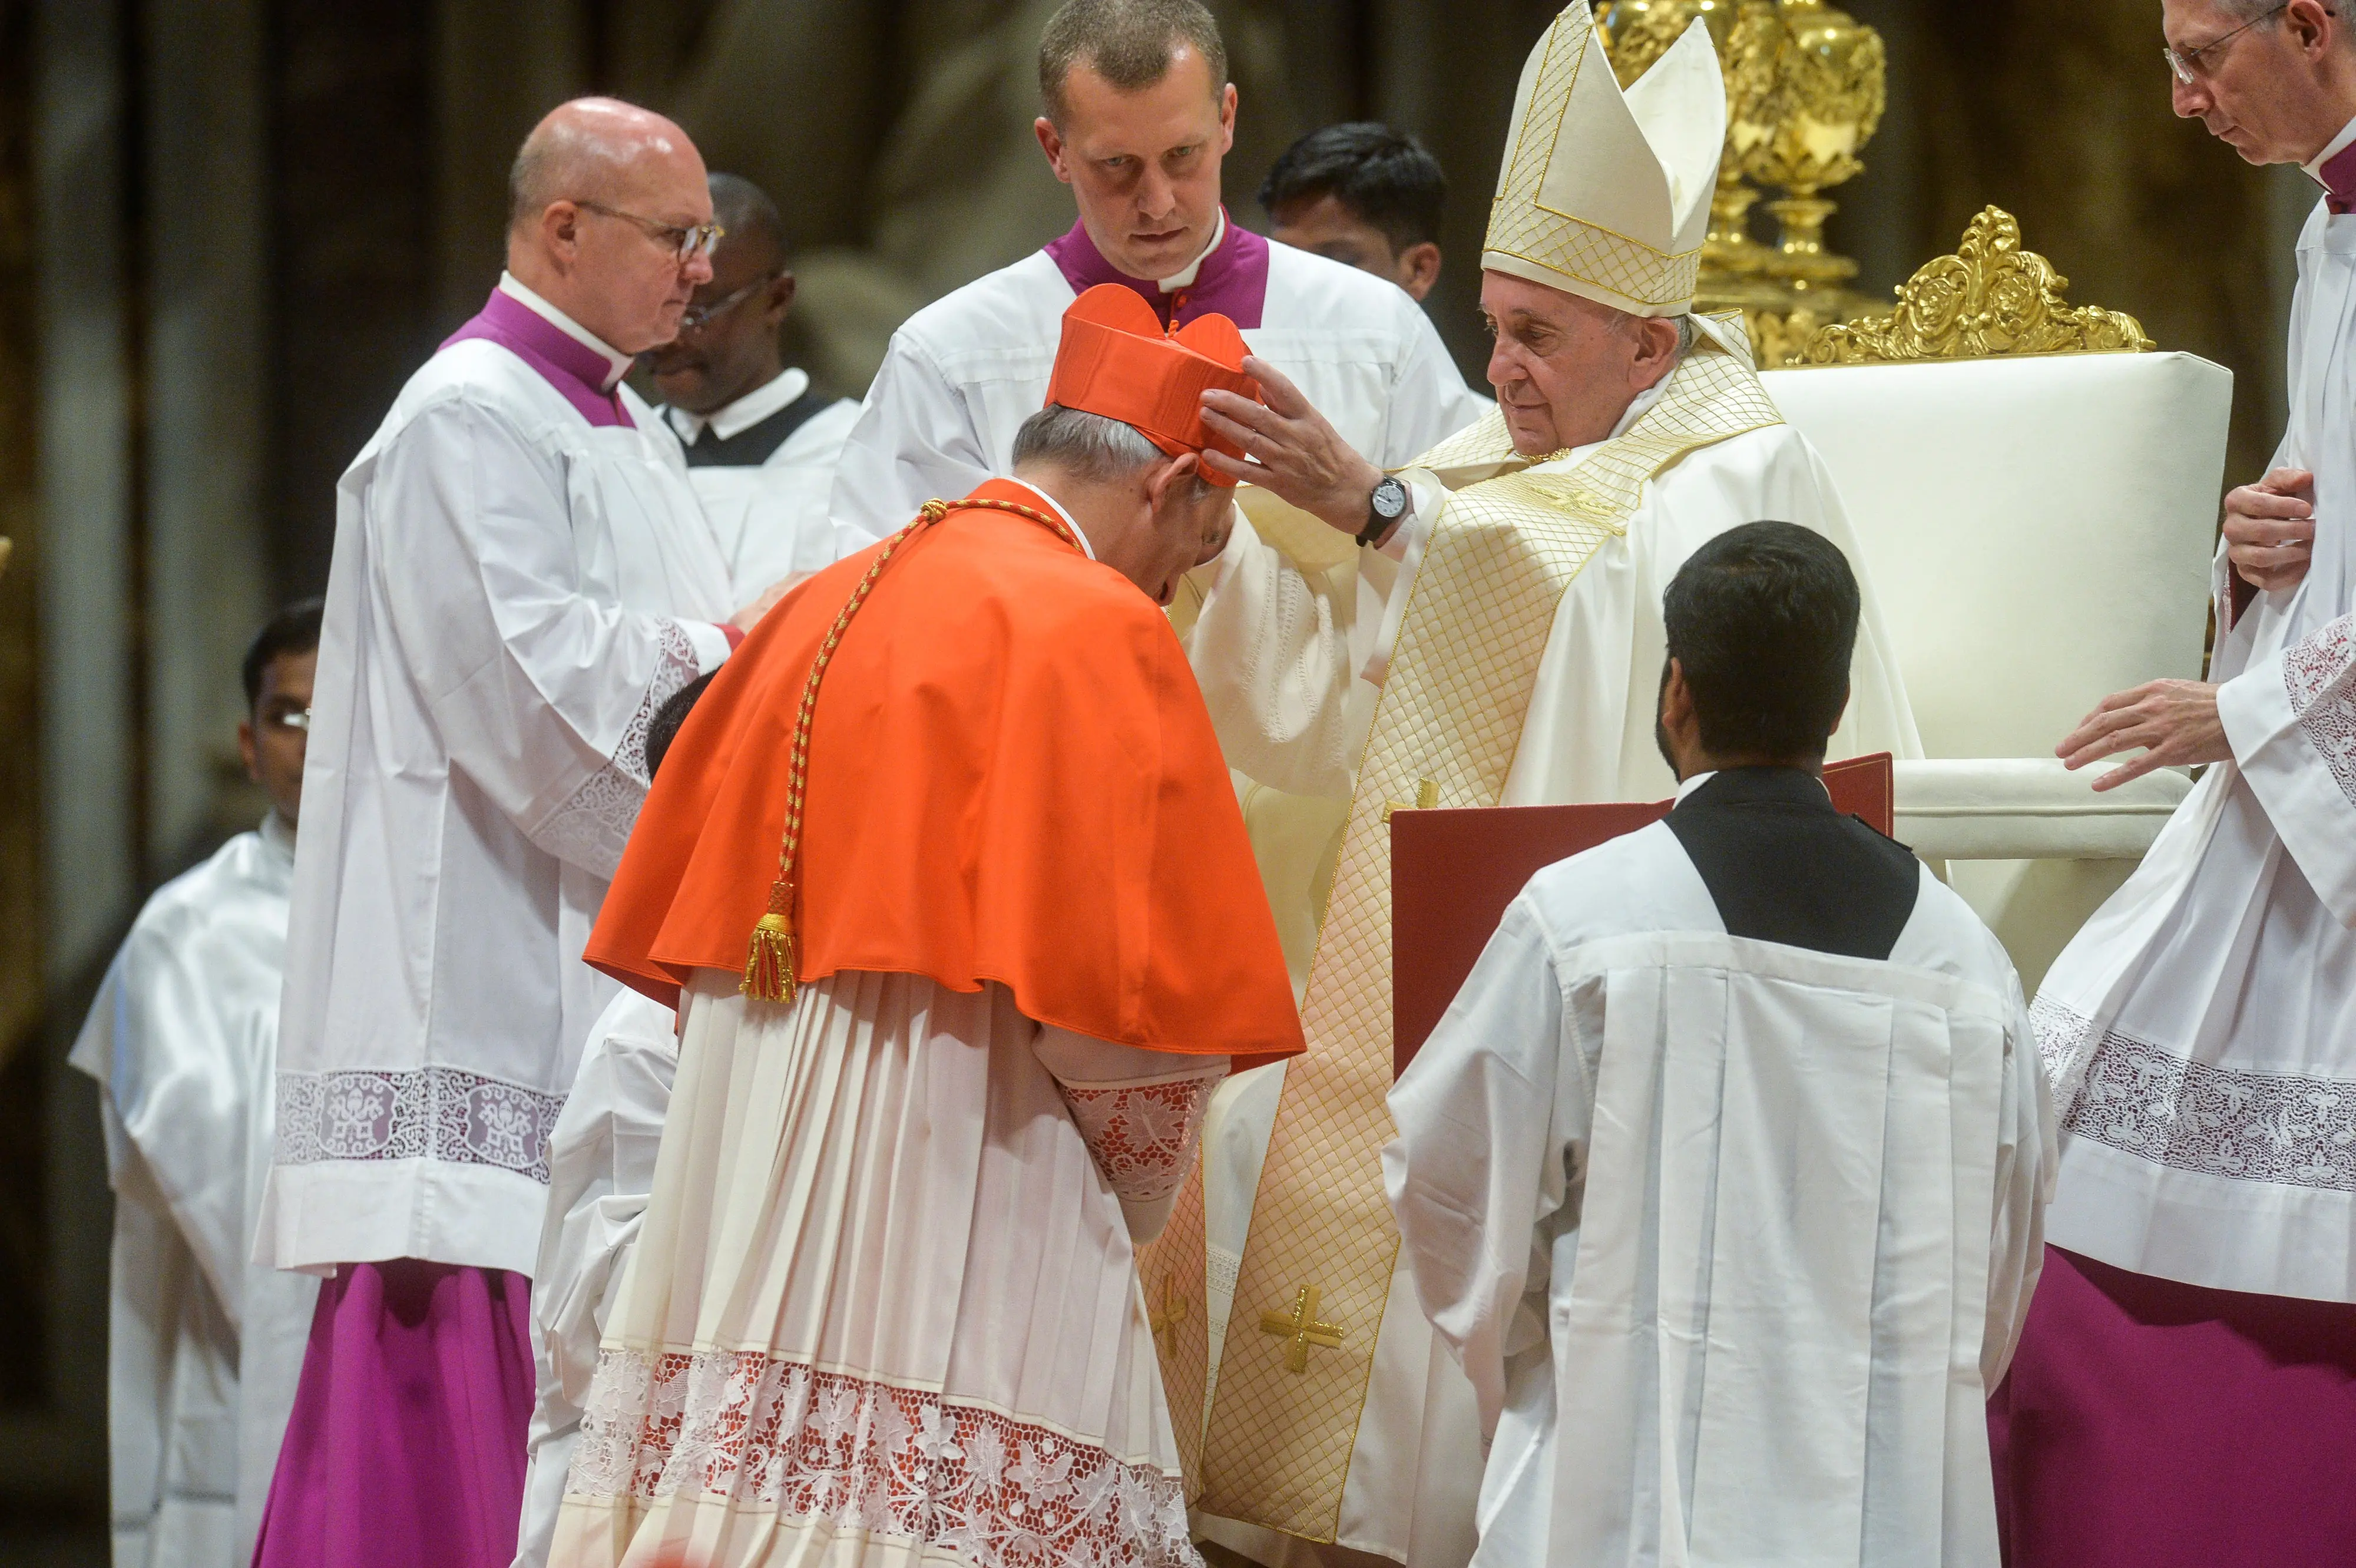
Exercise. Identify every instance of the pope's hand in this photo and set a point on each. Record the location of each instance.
(1294, 452)
(2270, 530)
(2175, 721)
(750, 616)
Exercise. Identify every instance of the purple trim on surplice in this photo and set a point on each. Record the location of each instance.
(569, 365)
(1232, 281)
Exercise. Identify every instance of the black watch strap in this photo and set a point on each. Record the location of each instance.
(1376, 524)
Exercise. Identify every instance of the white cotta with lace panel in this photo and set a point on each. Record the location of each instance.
(883, 1308)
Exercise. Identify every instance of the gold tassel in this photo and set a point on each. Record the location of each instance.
(769, 961)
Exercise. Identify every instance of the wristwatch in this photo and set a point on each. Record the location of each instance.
(1384, 508)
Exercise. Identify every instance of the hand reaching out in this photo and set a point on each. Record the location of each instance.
(2175, 721)
(1294, 451)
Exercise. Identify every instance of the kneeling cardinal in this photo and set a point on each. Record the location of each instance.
(947, 880)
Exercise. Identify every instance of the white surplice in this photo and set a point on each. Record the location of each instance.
(1731, 1238)
(963, 373)
(204, 1347)
(515, 593)
(1290, 665)
(2201, 1029)
(601, 1172)
(770, 518)
(885, 1306)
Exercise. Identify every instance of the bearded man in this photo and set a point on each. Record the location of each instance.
(1539, 541)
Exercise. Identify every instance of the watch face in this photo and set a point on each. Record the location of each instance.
(1389, 499)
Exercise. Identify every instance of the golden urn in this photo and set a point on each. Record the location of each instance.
(1806, 86)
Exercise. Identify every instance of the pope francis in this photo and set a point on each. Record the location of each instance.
(1519, 670)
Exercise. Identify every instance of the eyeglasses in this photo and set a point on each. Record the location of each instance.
(2187, 64)
(696, 317)
(687, 240)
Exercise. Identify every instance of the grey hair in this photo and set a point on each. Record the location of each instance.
(1624, 324)
(1086, 445)
(1090, 447)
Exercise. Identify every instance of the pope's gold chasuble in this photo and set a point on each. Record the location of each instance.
(1275, 1441)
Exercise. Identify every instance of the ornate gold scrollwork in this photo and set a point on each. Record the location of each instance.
(1990, 297)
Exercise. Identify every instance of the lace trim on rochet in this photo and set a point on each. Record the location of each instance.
(432, 1113)
(590, 829)
(1141, 1132)
(759, 1430)
(2285, 1127)
(2320, 675)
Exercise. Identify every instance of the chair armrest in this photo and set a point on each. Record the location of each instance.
(2028, 809)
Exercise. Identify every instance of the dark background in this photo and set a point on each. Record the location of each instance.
(230, 229)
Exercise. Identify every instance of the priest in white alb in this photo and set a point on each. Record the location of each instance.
(1139, 114)
(1753, 1068)
(2186, 1388)
(204, 1347)
(759, 441)
(520, 578)
(1522, 670)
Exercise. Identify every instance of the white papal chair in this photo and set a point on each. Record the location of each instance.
(2036, 490)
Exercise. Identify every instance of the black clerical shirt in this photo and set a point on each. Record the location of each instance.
(752, 445)
(1783, 865)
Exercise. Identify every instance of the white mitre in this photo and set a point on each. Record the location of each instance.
(1606, 194)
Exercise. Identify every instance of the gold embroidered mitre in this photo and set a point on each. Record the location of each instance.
(1606, 194)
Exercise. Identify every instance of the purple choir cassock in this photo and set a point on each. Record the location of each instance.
(2184, 1395)
(522, 578)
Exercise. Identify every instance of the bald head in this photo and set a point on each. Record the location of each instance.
(602, 199)
(589, 148)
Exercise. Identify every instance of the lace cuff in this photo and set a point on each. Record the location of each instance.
(590, 829)
(2320, 677)
(1142, 1132)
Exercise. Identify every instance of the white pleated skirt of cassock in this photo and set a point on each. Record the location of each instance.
(883, 1311)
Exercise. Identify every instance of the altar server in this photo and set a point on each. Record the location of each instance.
(760, 442)
(203, 1347)
(1140, 116)
(1521, 671)
(883, 1309)
(601, 1172)
(1739, 1051)
(2185, 1388)
(520, 579)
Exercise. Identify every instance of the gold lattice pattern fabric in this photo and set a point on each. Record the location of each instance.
(1523, 229)
(1317, 1271)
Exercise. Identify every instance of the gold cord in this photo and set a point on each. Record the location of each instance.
(771, 961)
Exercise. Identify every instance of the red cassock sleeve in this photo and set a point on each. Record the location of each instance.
(1013, 778)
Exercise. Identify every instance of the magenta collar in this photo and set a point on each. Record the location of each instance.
(1232, 281)
(572, 367)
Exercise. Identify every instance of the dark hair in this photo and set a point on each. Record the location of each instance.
(1384, 177)
(745, 211)
(1127, 42)
(1762, 620)
(663, 728)
(294, 629)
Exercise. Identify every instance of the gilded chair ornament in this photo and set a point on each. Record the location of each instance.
(1990, 297)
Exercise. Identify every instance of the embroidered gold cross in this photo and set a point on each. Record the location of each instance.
(1302, 1329)
(1426, 797)
(1166, 1317)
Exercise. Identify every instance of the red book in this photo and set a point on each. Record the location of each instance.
(1453, 872)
